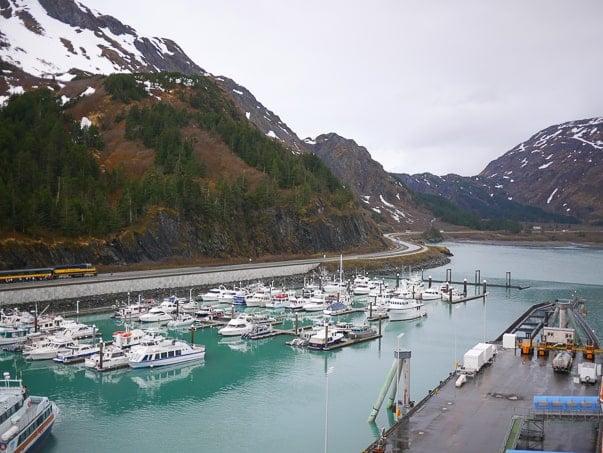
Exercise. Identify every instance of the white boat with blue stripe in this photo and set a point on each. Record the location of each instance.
(166, 352)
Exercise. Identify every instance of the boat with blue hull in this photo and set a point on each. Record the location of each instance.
(25, 421)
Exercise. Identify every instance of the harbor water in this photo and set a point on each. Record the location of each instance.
(253, 396)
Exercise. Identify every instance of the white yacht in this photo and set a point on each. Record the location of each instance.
(432, 293)
(258, 299)
(156, 316)
(110, 357)
(57, 345)
(77, 353)
(401, 309)
(236, 326)
(180, 321)
(167, 352)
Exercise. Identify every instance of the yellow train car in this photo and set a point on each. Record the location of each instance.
(25, 275)
(74, 270)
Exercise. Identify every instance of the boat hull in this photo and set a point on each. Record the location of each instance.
(195, 356)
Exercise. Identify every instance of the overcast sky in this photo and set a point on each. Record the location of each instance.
(428, 85)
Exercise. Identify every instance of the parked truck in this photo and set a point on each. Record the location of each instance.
(588, 372)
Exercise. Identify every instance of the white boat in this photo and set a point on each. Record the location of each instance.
(236, 327)
(57, 345)
(182, 320)
(110, 357)
(336, 309)
(281, 299)
(13, 335)
(432, 293)
(16, 318)
(155, 316)
(296, 303)
(26, 420)
(131, 312)
(189, 306)
(324, 338)
(77, 353)
(210, 312)
(50, 323)
(167, 352)
(360, 285)
(258, 331)
(77, 330)
(220, 295)
(377, 287)
(452, 295)
(400, 309)
(128, 338)
(319, 302)
(258, 299)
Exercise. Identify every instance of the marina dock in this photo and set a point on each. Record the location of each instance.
(496, 409)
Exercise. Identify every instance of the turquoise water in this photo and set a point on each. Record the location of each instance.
(267, 396)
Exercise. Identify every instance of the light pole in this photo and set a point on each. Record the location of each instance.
(329, 371)
(400, 335)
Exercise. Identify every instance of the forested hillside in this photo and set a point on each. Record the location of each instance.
(69, 170)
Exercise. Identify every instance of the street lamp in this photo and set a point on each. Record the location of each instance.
(329, 371)
(400, 335)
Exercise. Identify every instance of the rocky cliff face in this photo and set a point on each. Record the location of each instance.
(170, 240)
(386, 198)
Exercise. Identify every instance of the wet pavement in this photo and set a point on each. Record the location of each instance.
(478, 416)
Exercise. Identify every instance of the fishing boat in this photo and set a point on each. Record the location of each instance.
(167, 352)
(110, 357)
(26, 420)
(359, 332)
(77, 353)
(399, 309)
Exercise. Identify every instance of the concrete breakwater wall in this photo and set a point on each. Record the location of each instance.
(95, 288)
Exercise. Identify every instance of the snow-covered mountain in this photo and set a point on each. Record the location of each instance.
(558, 170)
(63, 38)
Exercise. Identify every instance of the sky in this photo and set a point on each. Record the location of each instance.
(433, 86)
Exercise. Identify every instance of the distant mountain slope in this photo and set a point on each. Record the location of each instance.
(555, 176)
(379, 191)
(559, 169)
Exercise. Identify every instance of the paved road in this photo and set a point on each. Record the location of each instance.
(399, 248)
